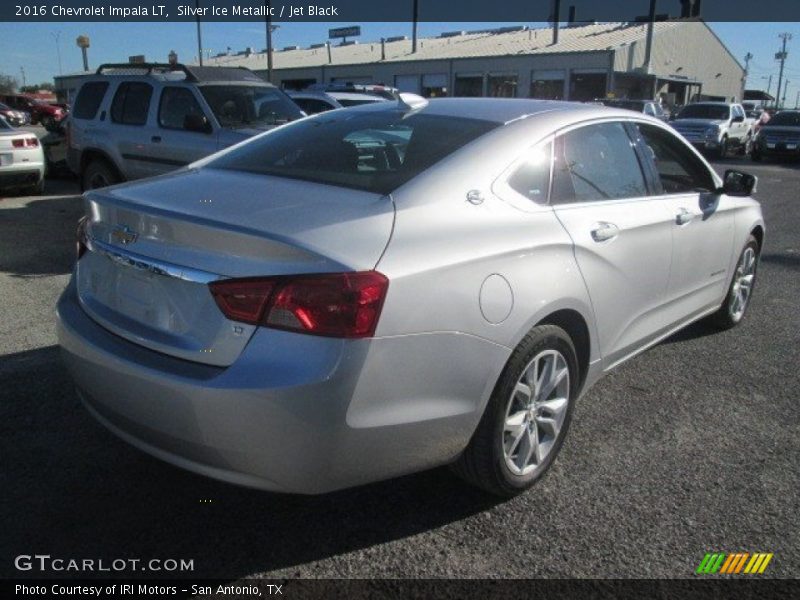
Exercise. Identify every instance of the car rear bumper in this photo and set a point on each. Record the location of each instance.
(19, 176)
(294, 413)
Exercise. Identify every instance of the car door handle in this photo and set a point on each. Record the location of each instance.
(683, 217)
(603, 232)
(156, 139)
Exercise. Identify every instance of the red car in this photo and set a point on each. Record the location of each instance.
(40, 111)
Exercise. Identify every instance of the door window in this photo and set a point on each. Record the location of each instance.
(679, 171)
(131, 103)
(177, 103)
(596, 162)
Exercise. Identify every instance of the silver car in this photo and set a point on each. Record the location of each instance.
(383, 289)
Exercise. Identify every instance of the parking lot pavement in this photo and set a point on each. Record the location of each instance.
(689, 448)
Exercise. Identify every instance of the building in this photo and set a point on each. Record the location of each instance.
(686, 61)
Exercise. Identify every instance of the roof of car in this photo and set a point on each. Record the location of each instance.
(497, 110)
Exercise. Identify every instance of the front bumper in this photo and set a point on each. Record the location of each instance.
(294, 413)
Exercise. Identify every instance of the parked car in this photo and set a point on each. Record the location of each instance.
(715, 127)
(379, 290)
(778, 137)
(135, 121)
(22, 163)
(384, 91)
(15, 118)
(317, 102)
(652, 108)
(39, 110)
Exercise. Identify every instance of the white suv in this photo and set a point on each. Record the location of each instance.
(715, 127)
(139, 120)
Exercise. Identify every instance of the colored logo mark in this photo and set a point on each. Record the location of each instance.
(734, 564)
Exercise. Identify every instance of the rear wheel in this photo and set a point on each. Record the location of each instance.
(37, 189)
(740, 291)
(98, 174)
(527, 417)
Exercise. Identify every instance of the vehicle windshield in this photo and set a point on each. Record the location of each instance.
(376, 151)
(250, 105)
(785, 119)
(705, 111)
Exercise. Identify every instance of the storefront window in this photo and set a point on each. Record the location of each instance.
(469, 85)
(547, 85)
(502, 86)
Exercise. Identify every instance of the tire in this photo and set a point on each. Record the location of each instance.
(747, 147)
(722, 151)
(98, 174)
(495, 446)
(36, 189)
(47, 122)
(731, 313)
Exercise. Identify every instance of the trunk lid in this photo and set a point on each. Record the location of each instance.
(156, 244)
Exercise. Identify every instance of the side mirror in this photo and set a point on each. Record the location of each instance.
(738, 119)
(736, 183)
(196, 123)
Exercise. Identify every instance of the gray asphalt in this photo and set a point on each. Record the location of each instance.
(689, 448)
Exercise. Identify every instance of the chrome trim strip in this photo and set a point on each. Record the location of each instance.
(157, 267)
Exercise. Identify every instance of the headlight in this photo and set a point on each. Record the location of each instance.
(712, 131)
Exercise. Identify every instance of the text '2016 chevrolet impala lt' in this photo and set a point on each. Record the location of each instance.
(384, 289)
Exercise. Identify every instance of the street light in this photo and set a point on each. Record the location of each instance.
(56, 35)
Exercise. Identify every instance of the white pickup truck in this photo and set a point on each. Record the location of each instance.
(715, 127)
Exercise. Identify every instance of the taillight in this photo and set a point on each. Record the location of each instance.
(29, 142)
(343, 305)
(80, 237)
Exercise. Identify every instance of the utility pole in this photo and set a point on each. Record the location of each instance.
(797, 100)
(270, 29)
(769, 82)
(57, 36)
(781, 56)
(785, 89)
(415, 18)
(22, 72)
(199, 35)
(747, 58)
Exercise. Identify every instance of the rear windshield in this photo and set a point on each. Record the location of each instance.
(376, 151)
(785, 119)
(238, 106)
(705, 111)
(627, 105)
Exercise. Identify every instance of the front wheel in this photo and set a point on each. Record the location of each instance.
(98, 174)
(527, 416)
(740, 290)
(722, 152)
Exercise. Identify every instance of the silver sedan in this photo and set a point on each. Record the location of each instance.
(384, 289)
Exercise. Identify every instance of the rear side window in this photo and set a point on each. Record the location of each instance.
(131, 103)
(376, 151)
(678, 169)
(89, 99)
(596, 162)
(532, 177)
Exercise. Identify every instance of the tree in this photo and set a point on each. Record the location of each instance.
(8, 84)
(32, 89)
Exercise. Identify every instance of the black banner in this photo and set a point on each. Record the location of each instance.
(409, 589)
(360, 11)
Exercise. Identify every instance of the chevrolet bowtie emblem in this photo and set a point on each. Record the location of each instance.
(122, 234)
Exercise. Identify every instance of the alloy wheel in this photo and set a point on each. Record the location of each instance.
(743, 284)
(535, 412)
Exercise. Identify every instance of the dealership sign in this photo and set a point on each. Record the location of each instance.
(344, 32)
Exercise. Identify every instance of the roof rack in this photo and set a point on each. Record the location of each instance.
(144, 69)
(193, 74)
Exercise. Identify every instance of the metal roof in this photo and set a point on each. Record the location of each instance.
(578, 38)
